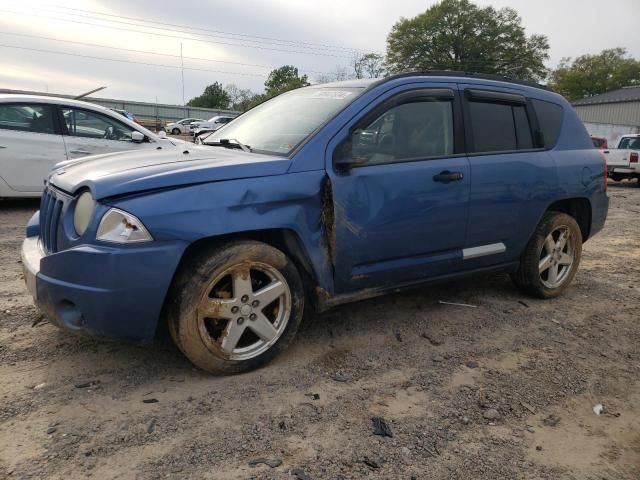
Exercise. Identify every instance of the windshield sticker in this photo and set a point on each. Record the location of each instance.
(333, 94)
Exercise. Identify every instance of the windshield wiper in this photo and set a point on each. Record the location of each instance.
(231, 143)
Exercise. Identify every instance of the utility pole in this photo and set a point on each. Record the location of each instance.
(182, 71)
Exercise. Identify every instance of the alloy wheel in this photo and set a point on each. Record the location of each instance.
(244, 310)
(556, 257)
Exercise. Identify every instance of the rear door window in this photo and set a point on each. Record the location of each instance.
(499, 127)
(493, 127)
(27, 117)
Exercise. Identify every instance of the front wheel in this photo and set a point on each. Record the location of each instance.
(234, 308)
(551, 258)
(175, 131)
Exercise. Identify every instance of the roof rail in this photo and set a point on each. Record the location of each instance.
(455, 73)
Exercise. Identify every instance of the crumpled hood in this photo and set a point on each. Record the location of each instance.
(129, 172)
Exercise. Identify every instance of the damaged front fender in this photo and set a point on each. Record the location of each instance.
(293, 202)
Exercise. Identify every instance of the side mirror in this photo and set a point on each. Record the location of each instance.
(137, 137)
(343, 157)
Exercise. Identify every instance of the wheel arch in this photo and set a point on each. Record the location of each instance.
(284, 239)
(579, 208)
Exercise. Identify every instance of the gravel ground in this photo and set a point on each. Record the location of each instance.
(503, 390)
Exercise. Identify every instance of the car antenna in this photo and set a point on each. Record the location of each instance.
(78, 97)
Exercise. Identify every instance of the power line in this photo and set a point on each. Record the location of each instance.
(85, 44)
(279, 40)
(129, 61)
(172, 36)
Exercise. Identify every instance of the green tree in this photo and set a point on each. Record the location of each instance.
(369, 65)
(214, 96)
(590, 75)
(284, 79)
(239, 98)
(458, 35)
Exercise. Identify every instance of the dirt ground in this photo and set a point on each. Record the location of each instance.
(503, 390)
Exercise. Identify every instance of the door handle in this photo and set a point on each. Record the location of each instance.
(3, 146)
(83, 152)
(446, 176)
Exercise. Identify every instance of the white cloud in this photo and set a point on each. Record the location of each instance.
(574, 27)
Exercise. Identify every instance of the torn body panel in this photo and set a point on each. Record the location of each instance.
(291, 203)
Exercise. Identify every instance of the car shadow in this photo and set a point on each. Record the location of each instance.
(352, 323)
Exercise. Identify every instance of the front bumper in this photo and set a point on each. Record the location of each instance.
(102, 290)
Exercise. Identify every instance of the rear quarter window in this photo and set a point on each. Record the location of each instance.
(550, 121)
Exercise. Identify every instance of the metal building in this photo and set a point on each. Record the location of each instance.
(151, 115)
(611, 114)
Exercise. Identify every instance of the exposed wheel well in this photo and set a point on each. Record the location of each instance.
(283, 239)
(579, 209)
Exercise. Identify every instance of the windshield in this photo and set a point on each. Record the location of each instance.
(280, 124)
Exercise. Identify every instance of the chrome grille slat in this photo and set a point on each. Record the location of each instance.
(46, 198)
(55, 220)
(51, 207)
(47, 225)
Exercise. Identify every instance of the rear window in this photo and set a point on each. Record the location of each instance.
(550, 121)
(632, 143)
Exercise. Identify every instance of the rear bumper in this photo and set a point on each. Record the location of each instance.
(622, 170)
(102, 290)
(599, 211)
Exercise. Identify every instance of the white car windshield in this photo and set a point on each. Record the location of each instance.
(280, 124)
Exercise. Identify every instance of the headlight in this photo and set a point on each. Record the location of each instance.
(122, 227)
(83, 212)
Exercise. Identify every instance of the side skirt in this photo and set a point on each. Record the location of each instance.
(326, 303)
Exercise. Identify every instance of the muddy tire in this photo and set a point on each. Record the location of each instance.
(551, 258)
(233, 308)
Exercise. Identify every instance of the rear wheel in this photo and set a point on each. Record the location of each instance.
(235, 308)
(551, 258)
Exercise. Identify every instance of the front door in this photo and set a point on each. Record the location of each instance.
(401, 212)
(30, 145)
(92, 133)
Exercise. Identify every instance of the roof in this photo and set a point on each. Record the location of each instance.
(69, 102)
(453, 75)
(12, 97)
(625, 94)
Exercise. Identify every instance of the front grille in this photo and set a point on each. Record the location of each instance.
(50, 213)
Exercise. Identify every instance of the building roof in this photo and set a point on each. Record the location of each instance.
(625, 94)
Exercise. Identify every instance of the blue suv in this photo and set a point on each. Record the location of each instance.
(320, 196)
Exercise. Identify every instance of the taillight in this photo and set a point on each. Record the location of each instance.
(633, 157)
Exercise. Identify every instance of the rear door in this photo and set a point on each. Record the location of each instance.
(92, 133)
(401, 214)
(30, 145)
(513, 177)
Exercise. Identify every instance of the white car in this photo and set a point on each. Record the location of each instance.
(214, 123)
(37, 132)
(181, 126)
(623, 162)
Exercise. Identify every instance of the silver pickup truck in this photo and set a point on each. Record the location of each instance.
(622, 161)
